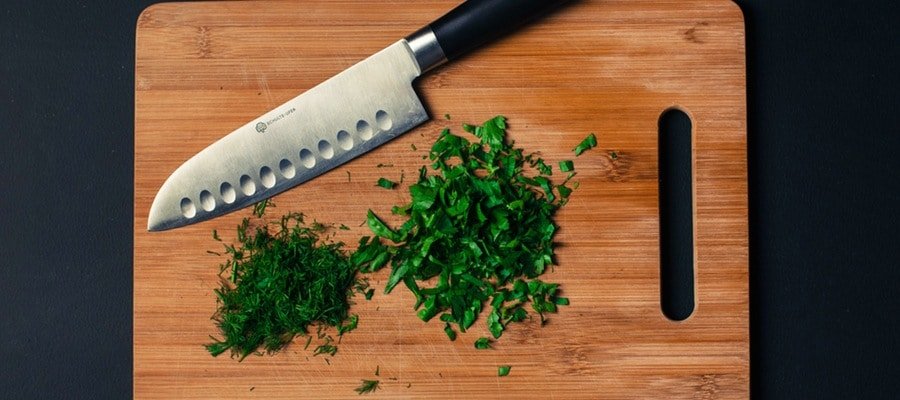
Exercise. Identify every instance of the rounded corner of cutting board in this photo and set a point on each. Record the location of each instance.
(736, 9)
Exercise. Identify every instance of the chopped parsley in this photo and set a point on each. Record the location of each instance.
(385, 183)
(483, 343)
(449, 331)
(479, 232)
(543, 167)
(588, 143)
(503, 370)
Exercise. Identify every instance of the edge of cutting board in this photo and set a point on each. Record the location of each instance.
(611, 67)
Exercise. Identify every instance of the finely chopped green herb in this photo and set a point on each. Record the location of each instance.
(479, 230)
(259, 209)
(326, 348)
(483, 343)
(367, 386)
(503, 370)
(281, 278)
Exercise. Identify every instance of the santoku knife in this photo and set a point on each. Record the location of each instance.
(351, 113)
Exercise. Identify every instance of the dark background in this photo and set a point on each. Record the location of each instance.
(824, 136)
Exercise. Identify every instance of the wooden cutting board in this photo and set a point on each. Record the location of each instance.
(610, 67)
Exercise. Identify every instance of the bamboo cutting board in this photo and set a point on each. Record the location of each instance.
(610, 67)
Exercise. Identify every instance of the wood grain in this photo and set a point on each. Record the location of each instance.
(610, 67)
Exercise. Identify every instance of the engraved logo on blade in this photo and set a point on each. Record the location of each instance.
(265, 124)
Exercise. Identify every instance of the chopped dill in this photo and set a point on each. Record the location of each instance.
(259, 209)
(281, 278)
(367, 386)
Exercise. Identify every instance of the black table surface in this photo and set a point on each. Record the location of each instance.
(824, 138)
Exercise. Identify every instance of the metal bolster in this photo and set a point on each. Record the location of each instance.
(427, 50)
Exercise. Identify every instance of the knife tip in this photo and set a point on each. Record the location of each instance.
(153, 227)
(156, 220)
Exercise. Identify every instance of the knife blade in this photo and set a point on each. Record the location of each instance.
(355, 111)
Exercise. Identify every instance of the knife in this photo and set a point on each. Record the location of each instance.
(349, 114)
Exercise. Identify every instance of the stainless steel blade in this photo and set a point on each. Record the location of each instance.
(355, 111)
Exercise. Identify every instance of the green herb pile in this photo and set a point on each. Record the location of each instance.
(280, 279)
(479, 232)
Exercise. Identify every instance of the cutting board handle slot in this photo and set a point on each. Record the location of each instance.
(676, 215)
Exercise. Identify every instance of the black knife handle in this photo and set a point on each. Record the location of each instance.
(476, 22)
